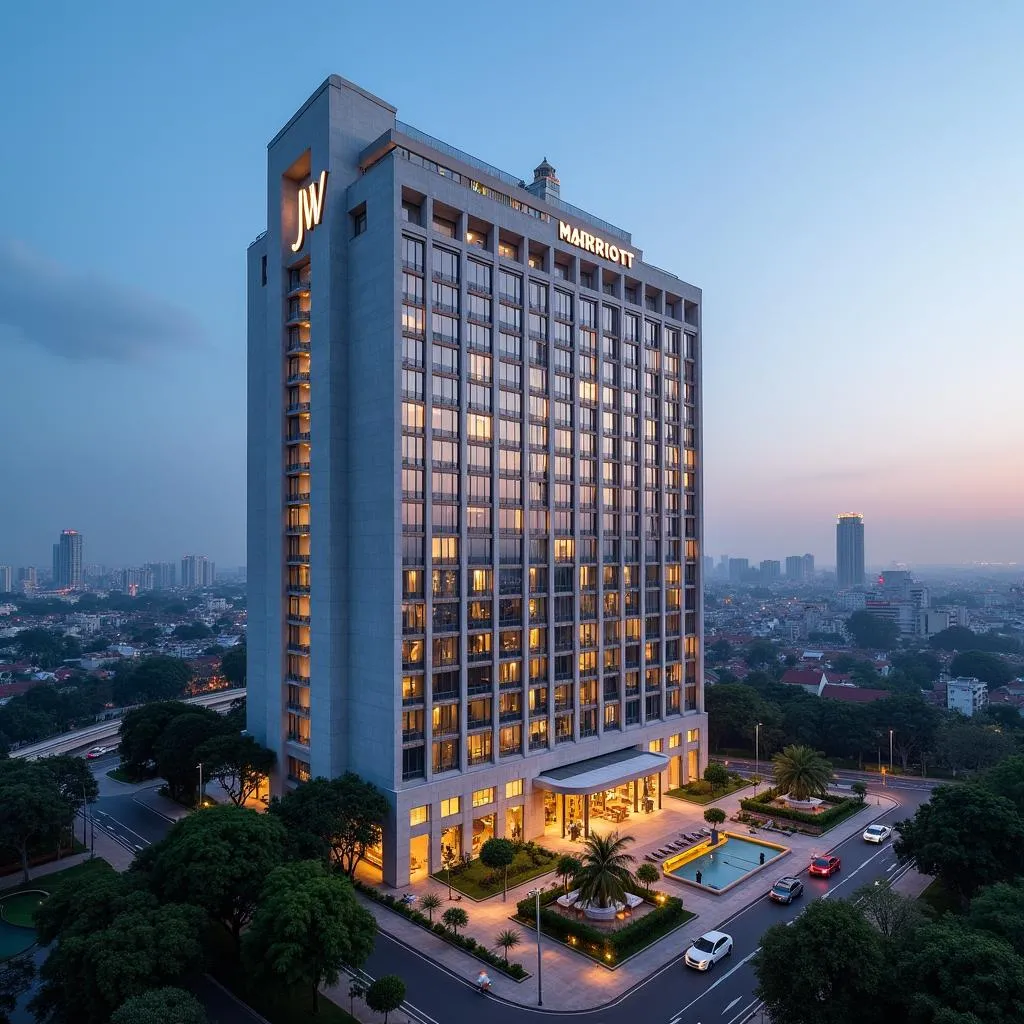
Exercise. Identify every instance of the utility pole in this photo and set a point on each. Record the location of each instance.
(535, 893)
(200, 767)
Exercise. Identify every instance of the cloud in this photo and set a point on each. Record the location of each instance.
(85, 317)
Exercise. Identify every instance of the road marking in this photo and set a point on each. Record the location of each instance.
(731, 1005)
(358, 974)
(718, 981)
(746, 1013)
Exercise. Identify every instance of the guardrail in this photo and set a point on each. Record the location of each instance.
(93, 734)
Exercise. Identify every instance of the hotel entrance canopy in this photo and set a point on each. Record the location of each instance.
(600, 773)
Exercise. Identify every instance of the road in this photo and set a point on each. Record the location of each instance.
(675, 994)
(748, 767)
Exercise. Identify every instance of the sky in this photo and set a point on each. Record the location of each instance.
(844, 181)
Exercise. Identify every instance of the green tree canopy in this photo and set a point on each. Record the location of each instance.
(141, 728)
(237, 762)
(989, 668)
(498, 854)
(233, 664)
(960, 638)
(307, 926)
(802, 772)
(606, 869)
(16, 976)
(166, 1005)
(217, 859)
(872, 632)
(1006, 779)
(45, 648)
(999, 910)
(970, 744)
(716, 775)
(966, 836)
(157, 678)
(914, 723)
(386, 994)
(177, 750)
(34, 812)
(802, 980)
(72, 777)
(733, 712)
(761, 654)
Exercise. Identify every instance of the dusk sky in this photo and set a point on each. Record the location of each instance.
(844, 182)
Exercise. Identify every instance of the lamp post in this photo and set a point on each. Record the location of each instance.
(200, 767)
(85, 818)
(890, 751)
(535, 893)
(757, 756)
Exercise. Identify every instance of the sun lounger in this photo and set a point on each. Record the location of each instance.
(651, 858)
(633, 900)
(569, 899)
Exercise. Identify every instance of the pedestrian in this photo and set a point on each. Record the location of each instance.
(699, 877)
(762, 856)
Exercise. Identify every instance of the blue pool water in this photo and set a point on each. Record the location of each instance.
(726, 863)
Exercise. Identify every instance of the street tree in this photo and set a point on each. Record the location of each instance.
(430, 902)
(951, 972)
(141, 729)
(892, 913)
(386, 994)
(177, 750)
(238, 763)
(716, 775)
(801, 979)
(307, 926)
(969, 744)
(566, 868)
(802, 772)
(871, 632)
(166, 1005)
(217, 860)
(914, 724)
(860, 790)
(498, 854)
(999, 910)
(965, 836)
(34, 812)
(455, 918)
(73, 779)
(508, 939)
(647, 874)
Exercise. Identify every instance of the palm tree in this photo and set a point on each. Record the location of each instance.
(509, 939)
(605, 873)
(802, 772)
(455, 918)
(430, 901)
(566, 868)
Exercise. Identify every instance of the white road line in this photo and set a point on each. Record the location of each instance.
(718, 981)
(358, 974)
(731, 1005)
(745, 1013)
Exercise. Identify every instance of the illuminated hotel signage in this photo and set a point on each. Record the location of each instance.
(591, 243)
(310, 201)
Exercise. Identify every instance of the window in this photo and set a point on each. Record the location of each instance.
(514, 788)
(412, 254)
(445, 227)
(451, 806)
(358, 221)
(481, 797)
(508, 250)
(419, 815)
(692, 735)
(411, 213)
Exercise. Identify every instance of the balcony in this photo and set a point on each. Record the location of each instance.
(296, 347)
(298, 378)
(296, 737)
(412, 701)
(446, 731)
(299, 620)
(302, 649)
(412, 736)
(294, 677)
(479, 689)
(294, 468)
(297, 528)
(298, 498)
(298, 589)
(296, 408)
(478, 723)
(539, 711)
(475, 759)
(301, 437)
(538, 743)
(296, 559)
(510, 716)
(300, 287)
(298, 316)
(299, 709)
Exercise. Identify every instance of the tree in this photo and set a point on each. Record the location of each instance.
(238, 763)
(951, 972)
(892, 913)
(761, 654)
(913, 722)
(157, 678)
(860, 790)
(801, 979)
(566, 868)
(733, 711)
(387, 993)
(455, 918)
(177, 750)
(141, 728)
(430, 902)
(42, 647)
(717, 775)
(1006, 779)
(307, 926)
(714, 816)
(647, 874)
(498, 854)
(802, 772)
(34, 813)
(193, 631)
(166, 1005)
(719, 650)
(508, 939)
(233, 665)
(921, 667)
(872, 632)
(73, 779)
(605, 869)
(969, 744)
(989, 668)
(960, 638)
(964, 835)
(16, 975)
(999, 910)
(217, 860)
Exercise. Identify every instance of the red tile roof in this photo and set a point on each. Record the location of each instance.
(802, 676)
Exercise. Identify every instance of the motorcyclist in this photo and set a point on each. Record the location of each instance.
(483, 983)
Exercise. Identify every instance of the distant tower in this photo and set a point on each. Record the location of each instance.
(545, 184)
(67, 561)
(850, 550)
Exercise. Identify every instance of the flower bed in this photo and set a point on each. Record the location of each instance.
(700, 792)
(610, 948)
(841, 807)
(516, 971)
(479, 882)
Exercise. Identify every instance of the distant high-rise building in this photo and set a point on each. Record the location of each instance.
(197, 571)
(6, 579)
(28, 579)
(850, 550)
(808, 566)
(165, 574)
(771, 569)
(738, 569)
(67, 561)
(709, 565)
(794, 567)
(135, 581)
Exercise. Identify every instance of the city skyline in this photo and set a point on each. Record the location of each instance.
(881, 161)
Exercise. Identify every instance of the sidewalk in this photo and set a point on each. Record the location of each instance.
(572, 981)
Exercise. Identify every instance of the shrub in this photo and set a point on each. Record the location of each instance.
(839, 809)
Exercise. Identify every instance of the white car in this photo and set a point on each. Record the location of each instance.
(877, 833)
(708, 950)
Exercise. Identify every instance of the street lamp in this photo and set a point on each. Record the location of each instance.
(535, 893)
(200, 767)
(757, 756)
(890, 751)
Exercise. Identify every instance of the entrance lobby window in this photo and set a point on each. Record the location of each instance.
(514, 823)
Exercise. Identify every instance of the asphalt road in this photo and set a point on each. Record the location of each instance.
(673, 995)
(116, 812)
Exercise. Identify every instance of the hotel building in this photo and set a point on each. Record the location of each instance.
(474, 492)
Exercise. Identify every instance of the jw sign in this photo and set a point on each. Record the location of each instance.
(310, 204)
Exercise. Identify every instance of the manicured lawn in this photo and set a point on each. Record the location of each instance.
(51, 881)
(118, 774)
(701, 793)
(939, 900)
(480, 882)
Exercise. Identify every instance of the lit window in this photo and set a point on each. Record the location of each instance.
(418, 815)
(515, 787)
(451, 806)
(674, 741)
(483, 796)
(655, 746)
(692, 735)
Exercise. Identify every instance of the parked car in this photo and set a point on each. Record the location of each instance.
(97, 752)
(786, 889)
(708, 950)
(825, 867)
(877, 833)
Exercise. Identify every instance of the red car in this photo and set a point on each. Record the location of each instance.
(825, 867)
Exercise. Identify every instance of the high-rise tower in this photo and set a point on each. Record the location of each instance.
(850, 550)
(67, 561)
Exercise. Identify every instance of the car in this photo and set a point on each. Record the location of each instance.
(877, 833)
(825, 867)
(708, 950)
(786, 889)
(97, 752)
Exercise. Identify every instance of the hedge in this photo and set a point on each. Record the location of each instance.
(466, 942)
(589, 940)
(841, 808)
